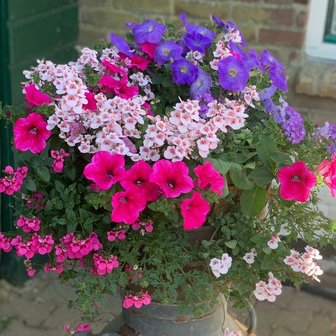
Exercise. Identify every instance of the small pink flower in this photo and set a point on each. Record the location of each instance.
(138, 177)
(137, 301)
(194, 211)
(30, 133)
(127, 205)
(59, 156)
(35, 97)
(273, 243)
(172, 177)
(83, 327)
(296, 182)
(328, 171)
(105, 169)
(209, 176)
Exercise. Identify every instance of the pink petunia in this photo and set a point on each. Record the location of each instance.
(328, 171)
(149, 49)
(127, 205)
(126, 92)
(194, 211)
(139, 62)
(296, 182)
(208, 176)
(172, 177)
(30, 133)
(36, 97)
(138, 177)
(105, 169)
(91, 104)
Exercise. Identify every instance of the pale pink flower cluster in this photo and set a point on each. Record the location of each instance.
(116, 235)
(137, 301)
(268, 291)
(250, 94)
(222, 51)
(230, 332)
(28, 224)
(143, 81)
(220, 266)
(305, 263)
(273, 243)
(194, 57)
(13, 180)
(183, 131)
(36, 244)
(102, 266)
(250, 256)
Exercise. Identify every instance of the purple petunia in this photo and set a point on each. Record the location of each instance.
(201, 86)
(197, 28)
(232, 74)
(166, 51)
(267, 92)
(328, 132)
(183, 72)
(197, 42)
(121, 44)
(253, 61)
(148, 31)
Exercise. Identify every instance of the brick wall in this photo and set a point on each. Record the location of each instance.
(276, 25)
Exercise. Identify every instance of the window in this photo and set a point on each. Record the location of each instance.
(321, 29)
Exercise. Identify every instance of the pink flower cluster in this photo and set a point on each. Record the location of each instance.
(36, 244)
(13, 180)
(273, 243)
(220, 266)
(305, 263)
(137, 301)
(28, 224)
(5, 243)
(35, 97)
(268, 291)
(73, 248)
(230, 332)
(80, 328)
(35, 201)
(143, 226)
(29, 268)
(327, 169)
(102, 266)
(143, 183)
(116, 235)
(59, 157)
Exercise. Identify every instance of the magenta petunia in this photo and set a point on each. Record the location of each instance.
(172, 177)
(194, 211)
(296, 182)
(138, 177)
(327, 169)
(31, 134)
(127, 205)
(208, 176)
(92, 103)
(36, 97)
(105, 169)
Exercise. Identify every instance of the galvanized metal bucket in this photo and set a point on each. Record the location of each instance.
(163, 320)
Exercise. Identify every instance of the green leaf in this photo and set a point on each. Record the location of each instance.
(30, 184)
(267, 250)
(262, 176)
(282, 159)
(71, 227)
(239, 178)
(253, 201)
(59, 186)
(43, 173)
(231, 244)
(70, 214)
(88, 226)
(265, 149)
(70, 172)
(220, 165)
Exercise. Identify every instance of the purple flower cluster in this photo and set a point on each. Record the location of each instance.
(291, 122)
(328, 132)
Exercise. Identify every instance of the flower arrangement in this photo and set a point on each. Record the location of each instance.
(168, 166)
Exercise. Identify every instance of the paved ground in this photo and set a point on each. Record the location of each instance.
(40, 309)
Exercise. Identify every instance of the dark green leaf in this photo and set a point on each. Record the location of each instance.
(253, 201)
(220, 165)
(265, 149)
(262, 176)
(59, 186)
(43, 173)
(239, 178)
(30, 184)
(282, 159)
(231, 244)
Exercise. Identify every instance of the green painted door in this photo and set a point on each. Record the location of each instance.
(29, 30)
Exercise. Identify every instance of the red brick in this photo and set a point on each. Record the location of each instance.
(281, 16)
(301, 19)
(283, 38)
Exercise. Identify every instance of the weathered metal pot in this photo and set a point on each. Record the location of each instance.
(164, 320)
